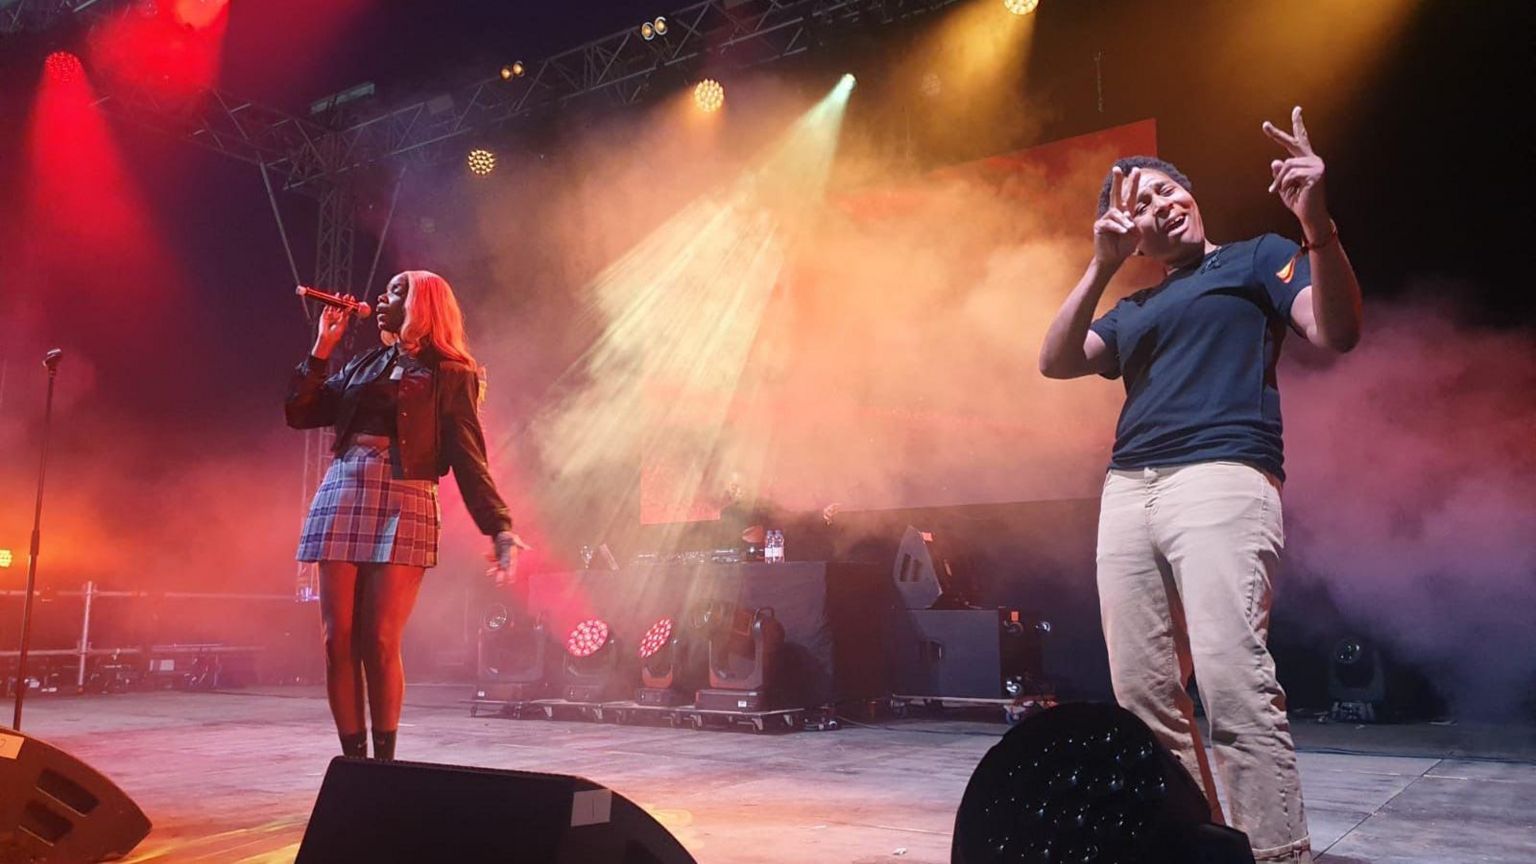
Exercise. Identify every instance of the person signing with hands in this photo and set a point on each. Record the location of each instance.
(1190, 526)
(405, 413)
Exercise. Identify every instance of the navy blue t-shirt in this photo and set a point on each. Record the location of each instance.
(1198, 352)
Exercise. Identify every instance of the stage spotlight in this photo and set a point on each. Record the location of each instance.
(667, 665)
(1356, 681)
(709, 95)
(513, 657)
(512, 70)
(588, 638)
(657, 637)
(660, 26)
(1087, 782)
(744, 647)
(63, 67)
(481, 161)
(647, 31)
(591, 662)
(1021, 7)
(197, 14)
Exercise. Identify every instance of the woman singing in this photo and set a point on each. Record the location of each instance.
(1190, 530)
(404, 413)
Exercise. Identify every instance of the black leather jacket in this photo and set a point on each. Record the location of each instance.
(437, 421)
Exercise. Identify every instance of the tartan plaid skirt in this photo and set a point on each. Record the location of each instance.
(362, 513)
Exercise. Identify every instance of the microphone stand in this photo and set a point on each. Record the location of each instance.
(52, 362)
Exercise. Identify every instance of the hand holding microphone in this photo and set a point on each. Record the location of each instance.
(346, 303)
(334, 318)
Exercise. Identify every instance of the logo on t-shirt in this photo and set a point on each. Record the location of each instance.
(1285, 273)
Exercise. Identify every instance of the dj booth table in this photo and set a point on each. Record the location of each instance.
(833, 614)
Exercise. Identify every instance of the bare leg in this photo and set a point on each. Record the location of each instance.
(389, 594)
(343, 661)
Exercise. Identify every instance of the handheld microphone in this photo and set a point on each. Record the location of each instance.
(356, 307)
(52, 358)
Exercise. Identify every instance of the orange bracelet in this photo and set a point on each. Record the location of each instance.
(1333, 234)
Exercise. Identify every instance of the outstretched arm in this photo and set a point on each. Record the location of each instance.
(1329, 310)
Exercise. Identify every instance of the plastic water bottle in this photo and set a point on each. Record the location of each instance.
(773, 551)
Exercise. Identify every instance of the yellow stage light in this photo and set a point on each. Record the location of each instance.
(1021, 7)
(481, 161)
(513, 70)
(709, 95)
(647, 31)
(661, 26)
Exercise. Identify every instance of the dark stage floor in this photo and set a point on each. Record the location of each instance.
(231, 777)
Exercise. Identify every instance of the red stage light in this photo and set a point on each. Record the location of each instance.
(63, 67)
(656, 637)
(587, 638)
(198, 14)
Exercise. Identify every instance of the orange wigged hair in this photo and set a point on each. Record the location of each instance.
(432, 318)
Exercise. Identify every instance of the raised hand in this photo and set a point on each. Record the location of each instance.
(333, 325)
(1299, 178)
(1115, 235)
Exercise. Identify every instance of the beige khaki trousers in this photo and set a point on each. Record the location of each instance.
(1186, 561)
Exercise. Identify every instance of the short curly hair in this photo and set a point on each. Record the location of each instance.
(1130, 162)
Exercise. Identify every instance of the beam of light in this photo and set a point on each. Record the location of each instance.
(174, 50)
(678, 316)
(80, 192)
(977, 56)
(1331, 71)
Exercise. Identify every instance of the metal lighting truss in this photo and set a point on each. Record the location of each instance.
(36, 16)
(620, 66)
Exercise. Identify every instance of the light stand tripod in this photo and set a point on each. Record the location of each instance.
(51, 361)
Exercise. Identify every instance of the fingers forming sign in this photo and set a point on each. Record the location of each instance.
(1298, 179)
(1123, 190)
(1115, 234)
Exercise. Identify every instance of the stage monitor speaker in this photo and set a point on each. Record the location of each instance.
(965, 653)
(927, 575)
(389, 812)
(55, 808)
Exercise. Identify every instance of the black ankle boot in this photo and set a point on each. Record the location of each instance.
(384, 744)
(355, 745)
